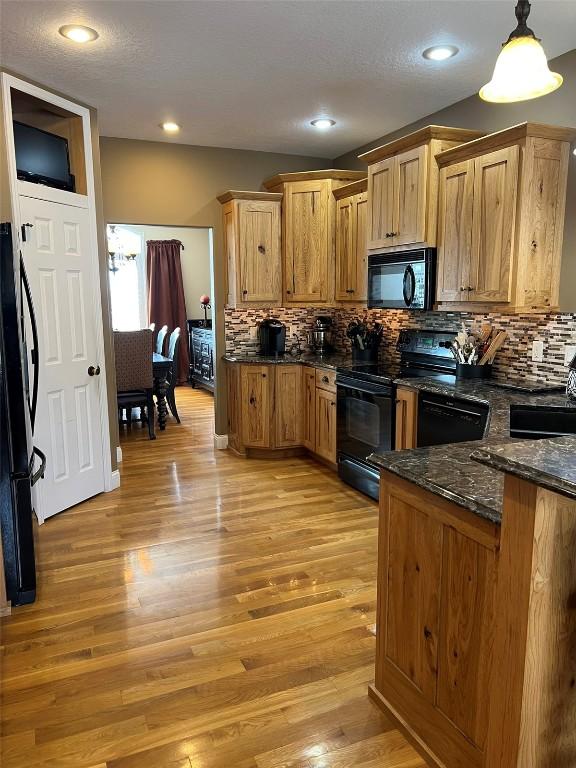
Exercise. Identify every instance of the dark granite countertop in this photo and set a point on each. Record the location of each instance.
(332, 361)
(452, 470)
(549, 463)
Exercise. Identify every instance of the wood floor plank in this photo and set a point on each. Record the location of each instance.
(213, 611)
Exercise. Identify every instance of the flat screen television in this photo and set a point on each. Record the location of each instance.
(42, 157)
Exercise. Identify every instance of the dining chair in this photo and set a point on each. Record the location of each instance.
(160, 339)
(173, 346)
(134, 374)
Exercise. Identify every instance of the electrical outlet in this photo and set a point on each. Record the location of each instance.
(253, 332)
(569, 352)
(537, 351)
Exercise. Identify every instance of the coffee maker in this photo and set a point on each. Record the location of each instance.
(272, 336)
(319, 338)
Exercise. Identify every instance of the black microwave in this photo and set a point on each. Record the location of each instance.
(402, 280)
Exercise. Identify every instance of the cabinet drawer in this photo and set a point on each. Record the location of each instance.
(326, 379)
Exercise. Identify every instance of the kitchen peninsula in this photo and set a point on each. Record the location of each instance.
(476, 606)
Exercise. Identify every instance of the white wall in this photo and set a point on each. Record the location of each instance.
(195, 259)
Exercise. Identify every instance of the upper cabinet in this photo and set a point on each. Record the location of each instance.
(308, 232)
(501, 220)
(403, 188)
(252, 246)
(351, 254)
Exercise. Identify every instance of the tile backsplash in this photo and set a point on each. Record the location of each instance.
(514, 359)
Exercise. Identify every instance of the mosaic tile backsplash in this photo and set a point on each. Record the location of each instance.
(514, 360)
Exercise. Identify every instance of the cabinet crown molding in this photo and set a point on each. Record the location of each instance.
(354, 188)
(506, 137)
(415, 139)
(234, 194)
(328, 173)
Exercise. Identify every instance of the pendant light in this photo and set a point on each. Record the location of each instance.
(521, 70)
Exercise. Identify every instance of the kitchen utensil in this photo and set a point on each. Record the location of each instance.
(495, 345)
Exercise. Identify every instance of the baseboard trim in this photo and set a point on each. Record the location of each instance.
(114, 481)
(220, 442)
(118, 455)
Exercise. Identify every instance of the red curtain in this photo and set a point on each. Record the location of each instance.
(166, 303)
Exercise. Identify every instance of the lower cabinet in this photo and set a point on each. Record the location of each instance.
(284, 406)
(326, 424)
(406, 418)
(435, 620)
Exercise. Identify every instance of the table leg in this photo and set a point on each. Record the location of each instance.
(161, 389)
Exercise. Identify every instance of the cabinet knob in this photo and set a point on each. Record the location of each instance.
(261, 249)
(332, 403)
(462, 288)
(470, 288)
(349, 290)
(244, 293)
(263, 375)
(325, 379)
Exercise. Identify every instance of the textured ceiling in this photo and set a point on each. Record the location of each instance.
(251, 74)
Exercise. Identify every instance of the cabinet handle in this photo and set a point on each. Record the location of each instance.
(462, 288)
(470, 288)
(244, 293)
(349, 290)
(287, 291)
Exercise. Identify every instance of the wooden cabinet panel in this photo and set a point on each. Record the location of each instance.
(406, 418)
(259, 251)
(234, 407)
(494, 215)
(326, 379)
(345, 261)
(307, 243)
(455, 231)
(360, 232)
(381, 189)
(465, 644)
(413, 594)
(411, 175)
(255, 405)
(326, 424)
(309, 408)
(288, 406)
(230, 253)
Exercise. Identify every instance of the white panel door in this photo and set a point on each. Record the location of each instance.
(68, 429)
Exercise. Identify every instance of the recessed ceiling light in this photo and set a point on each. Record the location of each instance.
(323, 123)
(78, 33)
(170, 127)
(440, 52)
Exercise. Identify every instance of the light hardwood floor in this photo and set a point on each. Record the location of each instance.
(214, 612)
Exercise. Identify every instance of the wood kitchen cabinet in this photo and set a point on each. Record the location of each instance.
(501, 220)
(351, 253)
(255, 405)
(288, 420)
(403, 188)
(308, 233)
(326, 424)
(406, 418)
(309, 408)
(252, 245)
(435, 620)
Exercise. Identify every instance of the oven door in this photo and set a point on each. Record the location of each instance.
(400, 280)
(365, 418)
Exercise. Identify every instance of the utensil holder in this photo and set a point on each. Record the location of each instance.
(464, 371)
(365, 355)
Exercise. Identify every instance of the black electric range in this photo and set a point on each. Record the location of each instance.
(366, 397)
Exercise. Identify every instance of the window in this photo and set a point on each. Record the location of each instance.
(127, 275)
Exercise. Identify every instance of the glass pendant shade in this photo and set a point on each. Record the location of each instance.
(521, 73)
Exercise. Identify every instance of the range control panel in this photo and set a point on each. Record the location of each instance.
(425, 342)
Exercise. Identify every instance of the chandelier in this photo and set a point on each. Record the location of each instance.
(118, 255)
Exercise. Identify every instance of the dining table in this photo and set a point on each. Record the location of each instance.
(161, 368)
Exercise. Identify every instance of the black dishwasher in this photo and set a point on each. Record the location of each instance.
(444, 419)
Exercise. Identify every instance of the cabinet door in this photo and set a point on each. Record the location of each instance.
(411, 179)
(234, 408)
(406, 418)
(255, 393)
(412, 594)
(455, 231)
(465, 643)
(307, 244)
(326, 424)
(360, 220)
(259, 251)
(228, 214)
(494, 214)
(309, 409)
(381, 203)
(345, 256)
(288, 406)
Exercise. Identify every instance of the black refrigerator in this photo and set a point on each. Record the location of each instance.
(21, 464)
